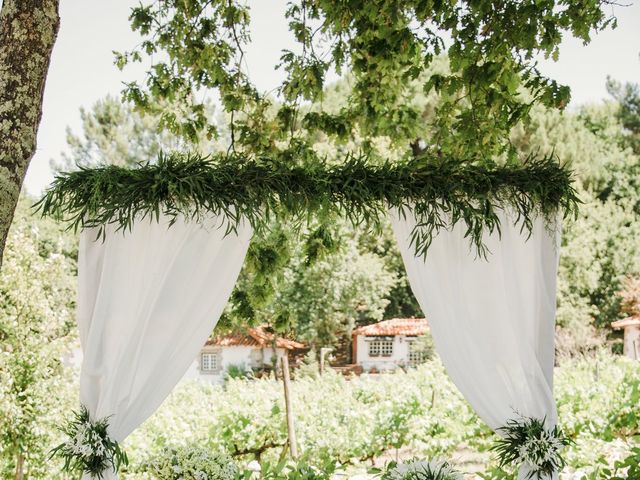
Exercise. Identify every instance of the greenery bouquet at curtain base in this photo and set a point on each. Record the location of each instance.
(89, 449)
(526, 442)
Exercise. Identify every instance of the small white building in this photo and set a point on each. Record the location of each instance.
(250, 351)
(389, 344)
(631, 326)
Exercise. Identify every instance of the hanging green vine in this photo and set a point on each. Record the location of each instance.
(440, 191)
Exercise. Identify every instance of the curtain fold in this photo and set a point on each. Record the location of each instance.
(147, 301)
(492, 320)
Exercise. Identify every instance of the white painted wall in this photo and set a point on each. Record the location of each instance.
(248, 357)
(399, 357)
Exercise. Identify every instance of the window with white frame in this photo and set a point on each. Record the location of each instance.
(381, 348)
(209, 362)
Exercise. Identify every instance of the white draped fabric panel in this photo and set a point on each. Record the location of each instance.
(147, 301)
(492, 320)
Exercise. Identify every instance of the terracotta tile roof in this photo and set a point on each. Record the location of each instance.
(254, 337)
(626, 322)
(395, 326)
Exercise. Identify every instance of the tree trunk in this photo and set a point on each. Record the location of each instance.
(28, 30)
(19, 467)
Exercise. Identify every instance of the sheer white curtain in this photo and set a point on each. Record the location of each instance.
(492, 320)
(147, 301)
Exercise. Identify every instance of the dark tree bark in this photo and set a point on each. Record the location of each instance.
(28, 30)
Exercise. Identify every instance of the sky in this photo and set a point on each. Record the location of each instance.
(82, 69)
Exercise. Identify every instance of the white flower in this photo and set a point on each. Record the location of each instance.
(194, 463)
(538, 452)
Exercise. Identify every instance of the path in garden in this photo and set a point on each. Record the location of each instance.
(470, 461)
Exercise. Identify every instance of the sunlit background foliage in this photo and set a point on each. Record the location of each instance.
(474, 102)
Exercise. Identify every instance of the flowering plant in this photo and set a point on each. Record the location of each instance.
(88, 448)
(526, 442)
(421, 470)
(300, 469)
(191, 463)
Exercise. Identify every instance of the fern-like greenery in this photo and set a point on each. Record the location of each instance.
(440, 191)
(527, 442)
(421, 470)
(88, 448)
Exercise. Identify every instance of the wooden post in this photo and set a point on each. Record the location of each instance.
(293, 447)
(323, 354)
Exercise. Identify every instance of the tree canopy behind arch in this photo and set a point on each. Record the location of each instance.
(599, 247)
(385, 45)
(387, 48)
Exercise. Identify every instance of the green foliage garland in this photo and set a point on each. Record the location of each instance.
(527, 442)
(441, 192)
(89, 449)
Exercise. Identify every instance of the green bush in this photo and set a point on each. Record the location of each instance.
(292, 470)
(349, 422)
(189, 463)
(237, 371)
(624, 469)
(345, 423)
(421, 470)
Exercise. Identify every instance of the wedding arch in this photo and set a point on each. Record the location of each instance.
(162, 245)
